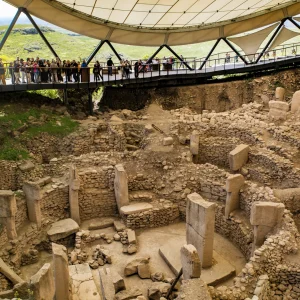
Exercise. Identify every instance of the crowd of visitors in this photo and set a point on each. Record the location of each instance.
(44, 71)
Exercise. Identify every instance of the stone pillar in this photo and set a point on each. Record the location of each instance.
(42, 283)
(61, 272)
(233, 186)
(121, 186)
(33, 196)
(278, 110)
(280, 94)
(194, 142)
(295, 104)
(190, 261)
(74, 184)
(264, 217)
(238, 157)
(200, 218)
(8, 209)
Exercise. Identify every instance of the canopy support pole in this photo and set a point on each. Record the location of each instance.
(294, 22)
(10, 27)
(40, 32)
(271, 40)
(210, 53)
(234, 50)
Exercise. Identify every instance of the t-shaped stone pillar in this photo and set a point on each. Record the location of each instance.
(61, 272)
(33, 195)
(264, 217)
(74, 184)
(190, 261)
(121, 186)
(238, 157)
(200, 218)
(8, 208)
(233, 186)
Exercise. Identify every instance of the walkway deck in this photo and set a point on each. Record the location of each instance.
(178, 76)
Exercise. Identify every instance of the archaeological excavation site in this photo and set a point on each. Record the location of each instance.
(186, 193)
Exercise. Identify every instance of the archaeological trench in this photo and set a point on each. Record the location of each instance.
(190, 193)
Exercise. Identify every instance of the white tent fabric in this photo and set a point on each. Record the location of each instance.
(283, 36)
(250, 43)
(155, 22)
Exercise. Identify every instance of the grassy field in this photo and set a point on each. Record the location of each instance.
(19, 122)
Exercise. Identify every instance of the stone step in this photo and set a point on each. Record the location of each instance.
(135, 208)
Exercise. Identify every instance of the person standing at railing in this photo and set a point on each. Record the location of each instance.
(109, 64)
(36, 72)
(23, 70)
(74, 70)
(53, 68)
(96, 71)
(11, 72)
(2, 72)
(17, 71)
(127, 68)
(136, 69)
(28, 69)
(181, 62)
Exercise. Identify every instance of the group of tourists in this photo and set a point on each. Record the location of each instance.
(39, 70)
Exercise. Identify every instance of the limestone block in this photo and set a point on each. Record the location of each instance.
(132, 266)
(167, 141)
(144, 271)
(190, 261)
(42, 283)
(61, 272)
(277, 114)
(203, 245)
(135, 208)
(118, 281)
(194, 142)
(157, 290)
(9, 273)
(266, 213)
(128, 294)
(33, 195)
(131, 236)
(234, 183)
(26, 166)
(238, 157)
(106, 284)
(121, 186)
(279, 94)
(119, 226)
(11, 228)
(62, 229)
(200, 214)
(280, 105)
(260, 232)
(295, 104)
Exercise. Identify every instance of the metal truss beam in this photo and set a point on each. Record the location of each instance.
(99, 46)
(172, 51)
(209, 54)
(294, 22)
(271, 40)
(11, 26)
(234, 50)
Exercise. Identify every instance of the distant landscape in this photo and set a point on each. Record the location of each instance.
(24, 42)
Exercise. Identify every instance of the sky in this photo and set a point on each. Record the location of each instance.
(6, 10)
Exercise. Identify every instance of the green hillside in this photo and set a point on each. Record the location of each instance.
(69, 46)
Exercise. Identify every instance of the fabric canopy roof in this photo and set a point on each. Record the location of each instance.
(283, 36)
(157, 22)
(250, 43)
